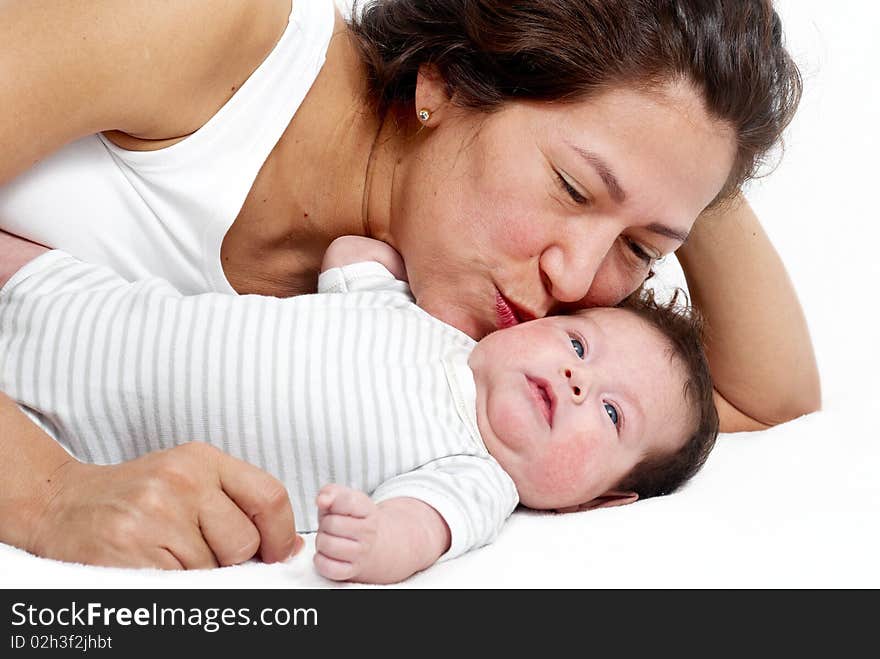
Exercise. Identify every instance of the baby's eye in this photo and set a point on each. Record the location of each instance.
(578, 347)
(612, 412)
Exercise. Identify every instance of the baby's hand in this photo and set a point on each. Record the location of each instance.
(348, 521)
(346, 250)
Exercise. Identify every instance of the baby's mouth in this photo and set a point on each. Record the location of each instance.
(542, 392)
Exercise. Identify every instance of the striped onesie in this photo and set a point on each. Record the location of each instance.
(354, 385)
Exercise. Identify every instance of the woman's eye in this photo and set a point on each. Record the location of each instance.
(639, 252)
(576, 196)
(612, 413)
(578, 348)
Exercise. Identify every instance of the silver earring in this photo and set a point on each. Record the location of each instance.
(424, 115)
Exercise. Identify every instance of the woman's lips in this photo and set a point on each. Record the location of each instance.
(544, 398)
(508, 313)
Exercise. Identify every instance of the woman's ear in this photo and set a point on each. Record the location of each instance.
(607, 500)
(431, 94)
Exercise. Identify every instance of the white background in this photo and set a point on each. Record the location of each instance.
(795, 506)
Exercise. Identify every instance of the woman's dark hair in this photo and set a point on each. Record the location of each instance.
(682, 327)
(492, 51)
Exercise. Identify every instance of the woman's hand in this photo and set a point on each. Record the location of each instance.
(191, 506)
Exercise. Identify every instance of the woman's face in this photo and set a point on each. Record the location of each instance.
(540, 207)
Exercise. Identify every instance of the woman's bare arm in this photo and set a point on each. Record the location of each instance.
(758, 345)
(15, 252)
(191, 506)
(154, 70)
(151, 69)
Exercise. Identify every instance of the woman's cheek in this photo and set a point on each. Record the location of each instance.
(512, 223)
(518, 237)
(611, 285)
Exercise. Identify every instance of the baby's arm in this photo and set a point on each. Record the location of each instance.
(346, 250)
(360, 540)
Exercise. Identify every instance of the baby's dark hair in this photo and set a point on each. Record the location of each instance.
(682, 326)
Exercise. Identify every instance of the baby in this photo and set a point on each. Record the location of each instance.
(427, 438)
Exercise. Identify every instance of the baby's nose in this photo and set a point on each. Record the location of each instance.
(576, 383)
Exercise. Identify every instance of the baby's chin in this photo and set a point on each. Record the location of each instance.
(536, 502)
(552, 496)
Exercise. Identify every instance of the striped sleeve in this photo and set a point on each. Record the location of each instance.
(473, 495)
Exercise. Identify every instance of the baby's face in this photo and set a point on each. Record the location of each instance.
(568, 405)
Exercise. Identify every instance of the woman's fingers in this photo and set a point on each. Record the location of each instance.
(190, 549)
(264, 500)
(230, 533)
(164, 559)
(191, 506)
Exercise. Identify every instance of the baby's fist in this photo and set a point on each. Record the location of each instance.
(347, 523)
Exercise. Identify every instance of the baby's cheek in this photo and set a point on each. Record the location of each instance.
(560, 471)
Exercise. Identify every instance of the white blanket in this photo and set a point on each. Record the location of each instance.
(795, 506)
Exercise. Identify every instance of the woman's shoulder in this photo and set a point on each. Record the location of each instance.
(151, 69)
(199, 53)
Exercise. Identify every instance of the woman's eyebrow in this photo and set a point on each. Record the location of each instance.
(604, 171)
(618, 194)
(668, 232)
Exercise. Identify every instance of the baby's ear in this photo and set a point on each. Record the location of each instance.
(610, 498)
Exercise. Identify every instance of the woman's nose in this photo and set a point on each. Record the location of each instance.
(577, 383)
(570, 267)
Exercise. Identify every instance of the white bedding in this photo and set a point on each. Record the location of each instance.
(794, 506)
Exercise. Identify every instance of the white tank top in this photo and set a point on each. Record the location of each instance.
(164, 213)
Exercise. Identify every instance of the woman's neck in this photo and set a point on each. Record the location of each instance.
(324, 155)
(337, 157)
(330, 174)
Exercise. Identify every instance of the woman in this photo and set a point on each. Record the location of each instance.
(523, 159)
